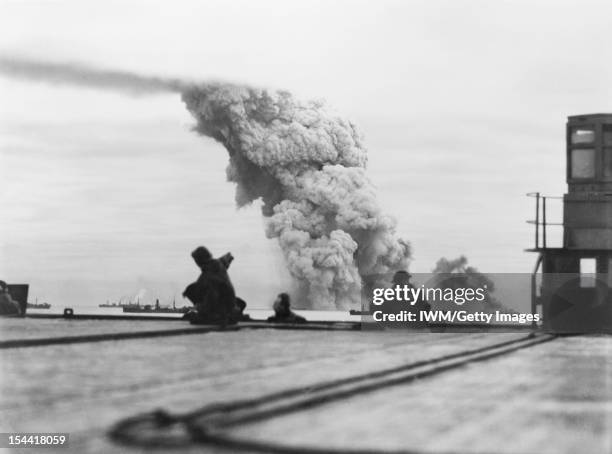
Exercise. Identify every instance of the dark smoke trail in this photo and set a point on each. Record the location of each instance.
(85, 76)
(304, 162)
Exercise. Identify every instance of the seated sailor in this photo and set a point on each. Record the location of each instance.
(282, 311)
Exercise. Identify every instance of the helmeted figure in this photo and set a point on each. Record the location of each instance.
(283, 312)
(212, 294)
(402, 278)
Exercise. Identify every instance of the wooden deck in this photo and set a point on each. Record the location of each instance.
(552, 397)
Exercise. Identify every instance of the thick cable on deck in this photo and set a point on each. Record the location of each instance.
(206, 425)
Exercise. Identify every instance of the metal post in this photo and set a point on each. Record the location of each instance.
(537, 221)
(544, 222)
(534, 290)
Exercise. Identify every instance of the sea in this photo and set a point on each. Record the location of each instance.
(256, 314)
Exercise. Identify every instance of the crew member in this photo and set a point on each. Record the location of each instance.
(283, 312)
(402, 278)
(212, 294)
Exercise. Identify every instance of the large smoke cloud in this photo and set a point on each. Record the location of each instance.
(307, 165)
(304, 162)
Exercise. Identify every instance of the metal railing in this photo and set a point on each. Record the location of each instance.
(540, 218)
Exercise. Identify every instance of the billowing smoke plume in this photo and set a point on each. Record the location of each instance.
(85, 76)
(304, 162)
(308, 167)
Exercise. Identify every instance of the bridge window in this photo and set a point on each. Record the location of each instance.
(583, 163)
(583, 135)
(608, 162)
(607, 135)
(588, 269)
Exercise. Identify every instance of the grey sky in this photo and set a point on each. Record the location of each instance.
(462, 104)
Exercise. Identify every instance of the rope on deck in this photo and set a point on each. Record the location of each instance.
(160, 429)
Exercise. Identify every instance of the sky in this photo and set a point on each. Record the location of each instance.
(462, 105)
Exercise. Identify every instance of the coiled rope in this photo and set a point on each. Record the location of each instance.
(160, 429)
